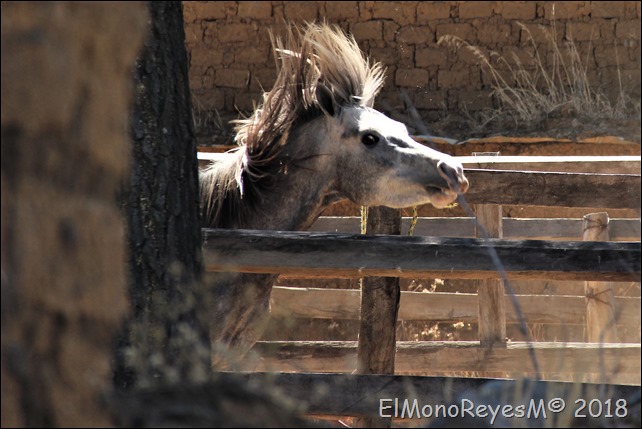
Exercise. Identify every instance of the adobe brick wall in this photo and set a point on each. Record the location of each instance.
(231, 60)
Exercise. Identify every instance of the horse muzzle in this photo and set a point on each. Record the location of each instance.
(453, 172)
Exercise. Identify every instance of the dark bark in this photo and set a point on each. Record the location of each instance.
(166, 339)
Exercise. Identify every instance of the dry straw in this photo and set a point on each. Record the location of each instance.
(529, 93)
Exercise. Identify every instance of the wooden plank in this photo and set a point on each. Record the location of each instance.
(490, 292)
(437, 306)
(341, 255)
(514, 228)
(624, 164)
(511, 140)
(379, 309)
(570, 164)
(616, 363)
(531, 188)
(533, 146)
(541, 146)
(600, 302)
(360, 395)
(527, 188)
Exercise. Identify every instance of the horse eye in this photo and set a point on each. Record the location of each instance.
(369, 139)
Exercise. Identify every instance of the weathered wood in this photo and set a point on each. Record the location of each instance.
(547, 146)
(514, 228)
(617, 363)
(490, 292)
(334, 394)
(533, 146)
(569, 164)
(600, 303)
(528, 188)
(342, 255)
(537, 188)
(379, 309)
(344, 304)
(379, 304)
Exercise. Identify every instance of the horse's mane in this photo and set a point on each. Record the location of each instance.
(320, 69)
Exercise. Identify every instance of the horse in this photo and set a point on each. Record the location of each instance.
(314, 139)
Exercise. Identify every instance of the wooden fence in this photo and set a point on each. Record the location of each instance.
(529, 249)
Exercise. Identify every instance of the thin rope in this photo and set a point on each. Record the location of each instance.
(415, 217)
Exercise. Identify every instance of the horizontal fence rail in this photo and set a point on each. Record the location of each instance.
(545, 188)
(617, 363)
(514, 228)
(360, 395)
(530, 188)
(569, 164)
(344, 255)
(317, 303)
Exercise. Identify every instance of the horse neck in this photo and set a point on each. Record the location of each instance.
(299, 195)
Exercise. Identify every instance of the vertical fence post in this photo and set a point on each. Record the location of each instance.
(600, 308)
(490, 293)
(379, 309)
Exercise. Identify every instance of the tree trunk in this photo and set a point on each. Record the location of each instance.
(167, 338)
(66, 81)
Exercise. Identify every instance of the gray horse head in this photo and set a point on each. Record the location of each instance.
(316, 137)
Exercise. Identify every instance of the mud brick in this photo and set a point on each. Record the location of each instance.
(390, 29)
(464, 31)
(232, 78)
(262, 79)
(371, 30)
(189, 11)
(579, 31)
(476, 100)
(337, 10)
(431, 57)
(411, 77)
(402, 13)
(386, 56)
(606, 56)
(607, 9)
(629, 30)
(193, 34)
(236, 32)
(476, 9)
(255, 9)
(300, 10)
(447, 79)
(518, 9)
(566, 9)
(203, 57)
(429, 100)
(251, 54)
(432, 10)
(414, 35)
(212, 99)
(494, 35)
(210, 10)
(244, 101)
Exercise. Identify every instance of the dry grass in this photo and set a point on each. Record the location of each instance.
(531, 93)
(209, 123)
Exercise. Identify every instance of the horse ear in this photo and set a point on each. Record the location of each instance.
(325, 99)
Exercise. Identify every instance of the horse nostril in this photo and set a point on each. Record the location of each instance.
(454, 175)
